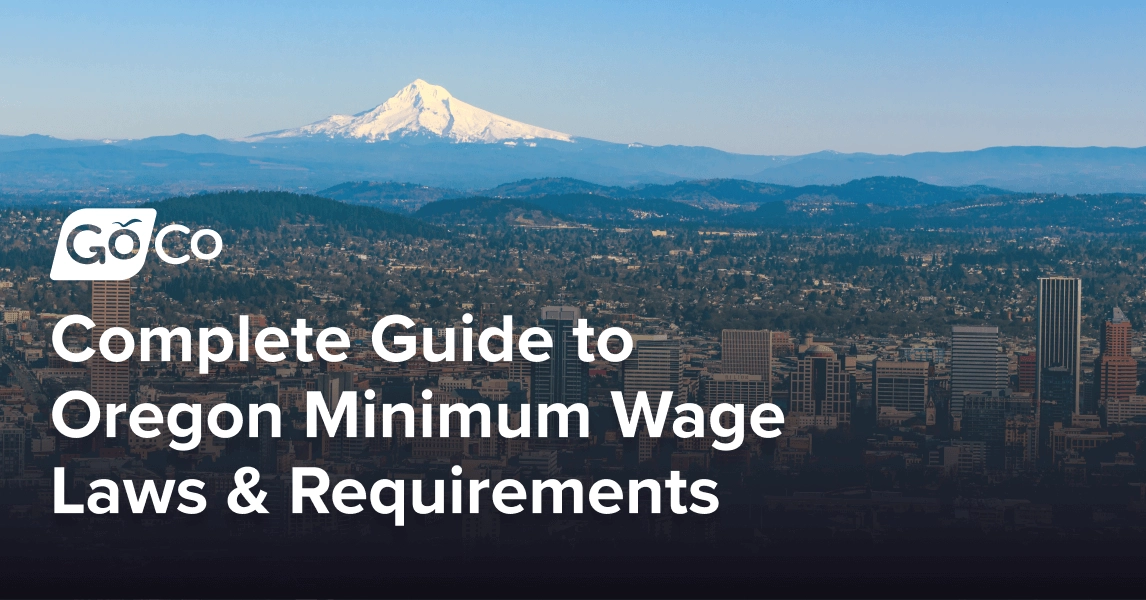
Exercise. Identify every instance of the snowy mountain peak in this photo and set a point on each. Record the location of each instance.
(420, 108)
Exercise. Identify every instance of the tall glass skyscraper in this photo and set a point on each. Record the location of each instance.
(1057, 351)
(563, 379)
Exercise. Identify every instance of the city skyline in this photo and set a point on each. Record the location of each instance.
(578, 299)
(870, 423)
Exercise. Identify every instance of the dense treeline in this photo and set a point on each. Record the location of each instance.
(579, 207)
(1027, 212)
(266, 210)
(889, 191)
(482, 210)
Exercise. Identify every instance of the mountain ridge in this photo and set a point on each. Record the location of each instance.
(425, 134)
(712, 194)
(1051, 214)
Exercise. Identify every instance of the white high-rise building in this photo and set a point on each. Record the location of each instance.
(734, 388)
(653, 367)
(976, 363)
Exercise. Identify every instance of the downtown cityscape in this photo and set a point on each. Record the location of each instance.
(975, 427)
(578, 300)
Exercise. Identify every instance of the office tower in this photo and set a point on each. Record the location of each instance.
(1057, 352)
(745, 352)
(900, 385)
(563, 378)
(520, 370)
(976, 363)
(259, 452)
(1131, 409)
(1058, 385)
(11, 452)
(782, 344)
(1005, 423)
(341, 447)
(1027, 369)
(1115, 370)
(332, 384)
(111, 307)
(820, 388)
(732, 388)
(653, 367)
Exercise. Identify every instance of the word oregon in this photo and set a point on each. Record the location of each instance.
(726, 421)
(218, 344)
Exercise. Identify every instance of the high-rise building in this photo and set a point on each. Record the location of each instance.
(746, 352)
(782, 344)
(563, 378)
(653, 367)
(1005, 423)
(111, 307)
(1058, 357)
(1115, 370)
(260, 452)
(1027, 369)
(11, 451)
(732, 388)
(976, 363)
(820, 388)
(520, 370)
(900, 385)
(1058, 385)
(332, 385)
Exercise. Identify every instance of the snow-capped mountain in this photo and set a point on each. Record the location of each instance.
(420, 109)
(474, 149)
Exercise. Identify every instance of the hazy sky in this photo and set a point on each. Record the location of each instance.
(748, 77)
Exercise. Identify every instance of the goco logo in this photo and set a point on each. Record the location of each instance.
(107, 244)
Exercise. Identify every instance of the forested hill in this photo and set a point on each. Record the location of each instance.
(706, 193)
(1098, 213)
(266, 210)
(887, 191)
(389, 195)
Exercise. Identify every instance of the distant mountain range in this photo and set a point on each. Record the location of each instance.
(423, 134)
(712, 194)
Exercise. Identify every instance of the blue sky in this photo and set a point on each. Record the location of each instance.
(784, 78)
